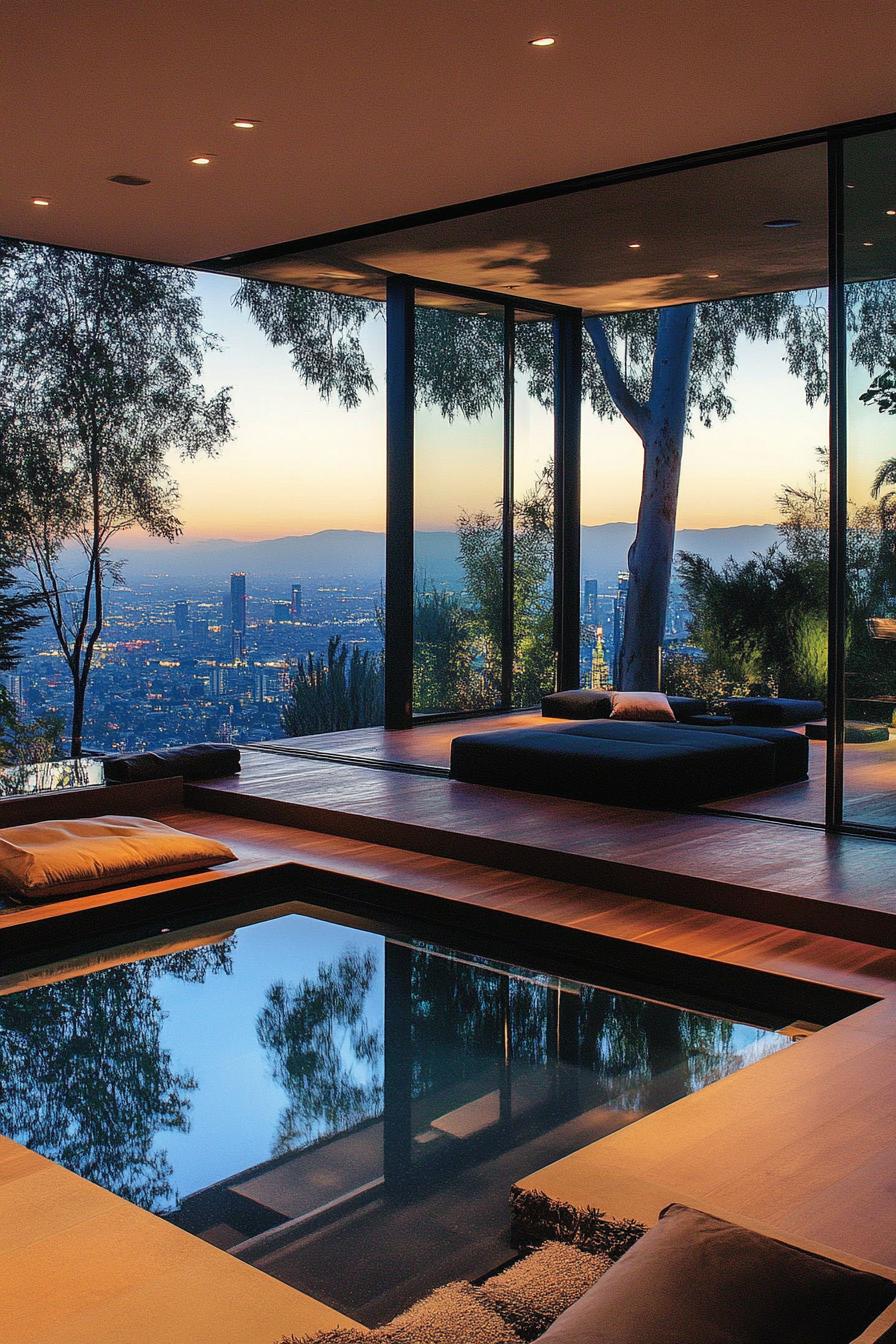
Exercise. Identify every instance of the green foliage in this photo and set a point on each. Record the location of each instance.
(100, 383)
(341, 692)
(882, 391)
(445, 677)
(27, 743)
(458, 639)
(322, 332)
(763, 622)
(322, 1050)
(480, 540)
(684, 674)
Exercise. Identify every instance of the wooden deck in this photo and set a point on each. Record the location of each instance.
(798, 877)
(801, 1142)
(869, 769)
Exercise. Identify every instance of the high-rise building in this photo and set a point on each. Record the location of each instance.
(14, 686)
(282, 612)
(237, 646)
(589, 602)
(238, 603)
(296, 603)
(619, 602)
(181, 618)
(600, 668)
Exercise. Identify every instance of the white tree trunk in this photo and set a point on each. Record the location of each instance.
(660, 425)
(652, 552)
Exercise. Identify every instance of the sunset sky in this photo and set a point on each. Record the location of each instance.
(297, 464)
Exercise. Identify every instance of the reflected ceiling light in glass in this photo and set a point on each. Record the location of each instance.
(867, 244)
(634, 246)
(712, 275)
(891, 212)
(39, 200)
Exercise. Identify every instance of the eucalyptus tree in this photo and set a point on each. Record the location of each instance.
(661, 370)
(101, 364)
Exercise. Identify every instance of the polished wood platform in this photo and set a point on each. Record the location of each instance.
(869, 784)
(799, 877)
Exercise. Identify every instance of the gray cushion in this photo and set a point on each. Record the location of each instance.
(579, 704)
(630, 764)
(199, 760)
(772, 711)
(587, 704)
(791, 750)
(694, 1279)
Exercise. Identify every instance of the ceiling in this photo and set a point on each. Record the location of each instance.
(369, 110)
(674, 238)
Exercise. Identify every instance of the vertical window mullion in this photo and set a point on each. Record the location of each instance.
(507, 513)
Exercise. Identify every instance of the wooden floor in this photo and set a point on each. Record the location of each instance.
(801, 1142)
(869, 785)
(795, 876)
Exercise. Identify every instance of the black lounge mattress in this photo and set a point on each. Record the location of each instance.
(643, 765)
(791, 749)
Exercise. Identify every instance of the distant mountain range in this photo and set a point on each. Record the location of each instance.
(334, 554)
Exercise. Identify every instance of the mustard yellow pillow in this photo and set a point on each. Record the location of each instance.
(62, 858)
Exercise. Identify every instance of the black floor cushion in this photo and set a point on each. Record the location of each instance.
(669, 769)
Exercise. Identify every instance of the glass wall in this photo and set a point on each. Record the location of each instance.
(534, 659)
(197, 510)
(869, 528)
(459, 578)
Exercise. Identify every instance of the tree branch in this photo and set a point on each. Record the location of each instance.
(628, 406)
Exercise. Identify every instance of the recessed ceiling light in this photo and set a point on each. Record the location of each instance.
(542, 41)
(39, 200)
(850, 186)
(891, 212)
(712, 275)
(634, 246)
(867, 244)
(781, 223)
(244, 124)
(202, 160)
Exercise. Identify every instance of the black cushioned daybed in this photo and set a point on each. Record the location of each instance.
(633, 764)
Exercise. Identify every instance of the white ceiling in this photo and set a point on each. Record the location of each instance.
(374, 108)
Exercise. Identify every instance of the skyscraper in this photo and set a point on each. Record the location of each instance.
(181, 618)
(600, 670)
(238, 603)
(589, 602)
(296, 604)
(619, 621)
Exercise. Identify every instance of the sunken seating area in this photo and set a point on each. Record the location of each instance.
(632, 764)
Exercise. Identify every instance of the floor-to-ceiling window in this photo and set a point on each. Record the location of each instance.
(192, 498)
(868, 554)
(459, 494)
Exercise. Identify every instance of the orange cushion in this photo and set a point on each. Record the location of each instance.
(642, 706)
(62, 858)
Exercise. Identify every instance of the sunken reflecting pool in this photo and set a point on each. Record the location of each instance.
(337, 1104)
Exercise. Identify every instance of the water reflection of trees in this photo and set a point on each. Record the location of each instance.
(648, 1052)
(322, 1050)
(86, 1080)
